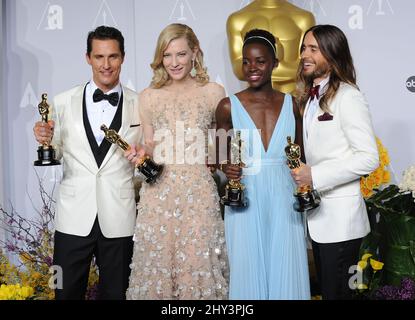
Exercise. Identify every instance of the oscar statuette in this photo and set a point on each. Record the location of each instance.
(234, 190)
(45, 153)
(307, 198)
(146, 165)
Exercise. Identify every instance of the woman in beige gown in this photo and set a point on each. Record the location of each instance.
(179, 249)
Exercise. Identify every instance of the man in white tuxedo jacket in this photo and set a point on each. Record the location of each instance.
(340, 148)
(96, 204)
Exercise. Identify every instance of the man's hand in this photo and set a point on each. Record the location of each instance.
(135, 154)
(44, 131)
(302, 175)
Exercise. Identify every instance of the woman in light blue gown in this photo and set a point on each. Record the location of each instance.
(266, 241)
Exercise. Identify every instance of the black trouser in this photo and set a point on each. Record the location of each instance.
(333, 261)
(74, 254)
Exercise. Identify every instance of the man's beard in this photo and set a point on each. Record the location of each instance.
(321, 70)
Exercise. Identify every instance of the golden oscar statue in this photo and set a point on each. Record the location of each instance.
(46, 153)
(306, 197)
(149, 169)
(286, 22)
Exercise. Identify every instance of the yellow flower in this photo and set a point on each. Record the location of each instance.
(383, 153)
(386, 177)
(366, 256)
(366, 193)
(27, 292)
(362, 286)
(15, 292)
(376, 265)
(378, 177)
(36, 276)
(362, 264)
(370, 182)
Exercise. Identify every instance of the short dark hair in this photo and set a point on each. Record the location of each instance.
(105, 33)
(263, 37)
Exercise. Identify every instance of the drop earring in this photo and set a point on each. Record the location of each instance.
(193, 72)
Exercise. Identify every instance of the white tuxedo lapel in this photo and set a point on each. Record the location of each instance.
(314, 126)
(127, 114)
(305, 135)
(87, 157)
(308, 134)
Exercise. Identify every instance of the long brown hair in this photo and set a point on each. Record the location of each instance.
(335, 49)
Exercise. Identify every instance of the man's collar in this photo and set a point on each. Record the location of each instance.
(117, 88)
(323, 85)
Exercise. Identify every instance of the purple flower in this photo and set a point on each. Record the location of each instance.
(92, 292)
(406, 291)
(387, 293)
(48, 261)
(10, 247)
(408, 284)
(405, 295)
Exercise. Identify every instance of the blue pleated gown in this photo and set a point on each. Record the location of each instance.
(265, 241)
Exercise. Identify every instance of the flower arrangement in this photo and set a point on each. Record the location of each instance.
(31, 241)
(391, 210)
(370, 276)
(379, 177)
(396, 229)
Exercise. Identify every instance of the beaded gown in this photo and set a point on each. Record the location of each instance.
(179, 249)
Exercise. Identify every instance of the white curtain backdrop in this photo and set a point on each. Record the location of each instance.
(1, 115)
(44, 43)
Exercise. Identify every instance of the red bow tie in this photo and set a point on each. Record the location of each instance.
(314, 92)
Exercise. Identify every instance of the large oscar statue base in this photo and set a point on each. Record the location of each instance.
(307, 200)
(150, 170)
(234, 197)
(46, 157)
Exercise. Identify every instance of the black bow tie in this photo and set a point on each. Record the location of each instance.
(314, 92)
(111, 98)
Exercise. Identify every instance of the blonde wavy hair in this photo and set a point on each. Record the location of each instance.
(172, 32)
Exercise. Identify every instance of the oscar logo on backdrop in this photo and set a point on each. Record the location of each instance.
(52, 18)
(181, 10)
(286, 22)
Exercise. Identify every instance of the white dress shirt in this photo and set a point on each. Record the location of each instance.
(313, 105)
(101, 112)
